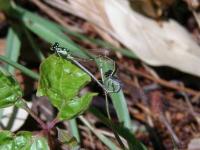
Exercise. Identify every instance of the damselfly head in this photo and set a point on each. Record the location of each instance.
(108, 73)
(66, 49)
(55, 46)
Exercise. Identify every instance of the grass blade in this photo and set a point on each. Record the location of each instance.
(34, 46)
(13, 45)
(46, 30)
(23, 69)
(74, 129)
(118, 98)
(80, 36)
(133, 143)
(121, 108)
(104, 139)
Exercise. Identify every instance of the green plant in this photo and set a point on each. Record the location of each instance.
(62, 94)
(60, 81)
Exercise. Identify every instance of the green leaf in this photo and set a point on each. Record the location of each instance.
(6, 140)
(60, 81)
(10, 91)
(23, 140)
(76, 106)
(39, 143)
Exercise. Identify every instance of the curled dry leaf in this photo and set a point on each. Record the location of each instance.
(165, 44)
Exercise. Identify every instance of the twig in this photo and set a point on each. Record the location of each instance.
(163, 119)
(191, 109)
(89, 136)
(161, 81)
(97, 133)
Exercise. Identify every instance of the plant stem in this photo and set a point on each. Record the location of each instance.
(53, 123)
(25, 107)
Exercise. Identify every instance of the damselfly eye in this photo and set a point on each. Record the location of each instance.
(108, 73)
(65, 49)
(55, 46)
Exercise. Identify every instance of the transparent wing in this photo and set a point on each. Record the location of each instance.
(108, 70)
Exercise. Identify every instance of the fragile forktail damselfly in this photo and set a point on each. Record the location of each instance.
(112, 85)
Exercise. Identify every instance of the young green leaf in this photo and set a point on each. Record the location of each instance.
(10, 91)
(22, 140)
(60, 81)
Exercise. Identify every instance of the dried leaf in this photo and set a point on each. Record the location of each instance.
(168, 44)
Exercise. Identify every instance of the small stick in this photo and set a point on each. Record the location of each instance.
(162, 82)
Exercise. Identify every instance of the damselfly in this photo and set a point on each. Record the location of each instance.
(112, 85)
(108, 74)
